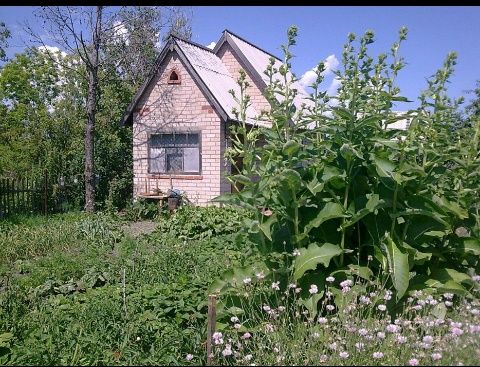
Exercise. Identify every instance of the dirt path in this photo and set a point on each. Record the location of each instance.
(136, 229)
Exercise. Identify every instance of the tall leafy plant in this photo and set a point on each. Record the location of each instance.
(338, 191)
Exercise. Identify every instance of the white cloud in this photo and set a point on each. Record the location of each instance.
(331, 63)
(53, 50)
(211, 45)
(333, 88)
(120, 32)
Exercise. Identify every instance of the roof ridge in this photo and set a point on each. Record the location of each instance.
(251, 44)
(193, 43)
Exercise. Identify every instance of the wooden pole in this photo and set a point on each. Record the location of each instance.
(212, 300)
(45, 193)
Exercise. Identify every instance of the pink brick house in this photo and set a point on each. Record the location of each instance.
(181, 115)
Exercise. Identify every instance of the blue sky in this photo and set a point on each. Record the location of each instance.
(433, 32)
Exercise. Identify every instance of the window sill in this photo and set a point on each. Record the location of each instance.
(176, 177)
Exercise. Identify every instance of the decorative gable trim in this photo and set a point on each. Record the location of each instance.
(171, 46)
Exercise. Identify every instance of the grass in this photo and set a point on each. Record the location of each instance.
(75, 289)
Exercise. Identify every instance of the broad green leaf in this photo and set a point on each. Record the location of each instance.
(241, 179)
(344, 113)
(315, 186)
(383, 166)
(452, 207)
(398, 266)
(362, 271)
(470, 245)
(266, 226)
(373, 203)
(446, 274)
(311, 303)
(291, 147)
(310, 257)
(329, 211)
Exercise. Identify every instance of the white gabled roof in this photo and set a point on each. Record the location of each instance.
(216, 77)
(260, 59)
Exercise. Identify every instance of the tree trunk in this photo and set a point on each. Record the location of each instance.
(92, 69)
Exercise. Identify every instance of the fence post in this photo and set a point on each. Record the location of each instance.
(45, 193)
(212, 300)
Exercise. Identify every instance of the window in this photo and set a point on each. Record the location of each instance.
(174, 77)
(174, 153)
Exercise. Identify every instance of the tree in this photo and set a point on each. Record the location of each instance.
(473, 109)
(4, 35)
(92, 34)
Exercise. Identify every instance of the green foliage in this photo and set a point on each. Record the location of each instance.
(75, 289)
(190, 222)
(4, 35)
(334, 182)
(141, 209)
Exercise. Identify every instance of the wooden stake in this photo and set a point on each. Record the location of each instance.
(212, 300)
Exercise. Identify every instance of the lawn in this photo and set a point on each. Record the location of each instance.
(78, 289)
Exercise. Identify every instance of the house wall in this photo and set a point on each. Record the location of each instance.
(184, 108)
(234, 65)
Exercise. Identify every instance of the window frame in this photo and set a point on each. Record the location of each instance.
(179, 131)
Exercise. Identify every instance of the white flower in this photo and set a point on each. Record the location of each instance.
(275, 285)
(401, 339)
(448, 303)
(476, 278)
(330, 279)
(330, 307)
(448, 295)
(316, 335)
(427, 339)
(269, 328)
(364, 299)
(345, 289)
(292, 285)
(247, 335)
(360, 346)
(343, 355)
(189, 357)
(313, 289)
(234, 319)
(247, 280)
(296, 252)
(323, 358)
(346, 283)
(237, 326)
(388, 295)
(382, 307)
(369, 257)
(436, 356)
(266, 308)
(138, 338)
(322, 320)
(333, 346)
(260, 275)
(248, 357)
(474, 311)
(381, 335)
(298, 290)
(377, 355)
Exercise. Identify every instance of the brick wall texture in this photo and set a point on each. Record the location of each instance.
(183, 107)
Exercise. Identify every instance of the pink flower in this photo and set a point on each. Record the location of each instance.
(343, 355)
(247, 335)
(346, 283)
(313, 289)
(363, 332)
(436, 356)
(377, 355)
(381, 335)
(323, 358)
(413, 362)
(392, 328)
(330, 307)
(227, 351)
(189, 357)
(275, 285)
(456, 331)
(427, 339)
(322, 320)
